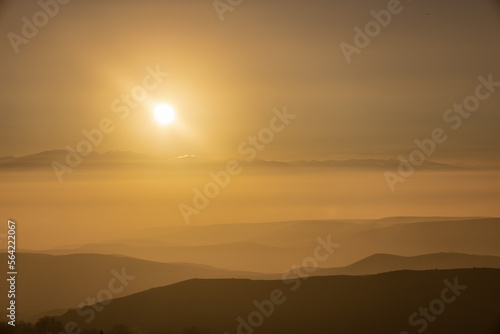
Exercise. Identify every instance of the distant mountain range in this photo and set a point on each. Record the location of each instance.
(384, 303)
(115, 158)
(275, 247)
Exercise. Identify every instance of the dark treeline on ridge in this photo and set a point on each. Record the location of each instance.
(50, 325)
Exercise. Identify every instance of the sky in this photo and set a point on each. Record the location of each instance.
(229, 74)
(225, 77)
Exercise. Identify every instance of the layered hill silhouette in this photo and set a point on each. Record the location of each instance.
(456, 301)
(244, 256)
(380, 263)
(275, 247)
(50, 282)
(68, 280)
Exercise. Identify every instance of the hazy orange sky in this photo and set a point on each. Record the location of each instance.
(227, 76)
(224, 80)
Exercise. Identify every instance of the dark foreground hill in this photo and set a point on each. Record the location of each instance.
(49, 282)
(437, 301)
(52, 284)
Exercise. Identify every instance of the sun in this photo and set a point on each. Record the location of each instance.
(164, 114)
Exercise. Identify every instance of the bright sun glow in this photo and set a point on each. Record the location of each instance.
(164, 114)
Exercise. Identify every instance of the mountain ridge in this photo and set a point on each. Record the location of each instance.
(319, 305)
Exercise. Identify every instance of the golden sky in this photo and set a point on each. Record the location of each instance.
(225, 77)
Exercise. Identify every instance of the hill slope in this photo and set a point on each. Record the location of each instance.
(338, 304)
(48, 282)
(380, 263)
(275, 247)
